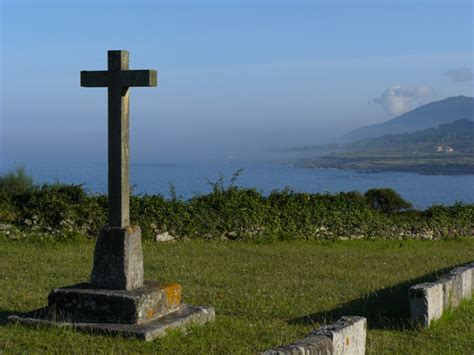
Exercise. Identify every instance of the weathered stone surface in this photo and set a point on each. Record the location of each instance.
(118, 78)
(118, 259)
(426, 302)
(457, 285)
(429, 300)
(452, 286)
(148, 331)
(471, 266)
(346, 336)
(83, 302)
(463, 275)
(451, 297)
(310, 345)
(164, 237)
(5, 227)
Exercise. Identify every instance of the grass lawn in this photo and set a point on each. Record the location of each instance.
(264, 294)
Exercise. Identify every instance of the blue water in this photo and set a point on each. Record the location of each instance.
(193, 178)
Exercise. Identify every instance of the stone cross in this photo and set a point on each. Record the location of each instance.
(118, 256)
(117, 300)
(117, 79)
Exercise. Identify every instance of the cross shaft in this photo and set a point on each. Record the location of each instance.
(118, 78)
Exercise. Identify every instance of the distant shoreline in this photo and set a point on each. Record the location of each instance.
(445, 150)
(393, 164)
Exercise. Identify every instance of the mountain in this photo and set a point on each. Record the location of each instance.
(423, 117)
(458, 135)
(445, 150)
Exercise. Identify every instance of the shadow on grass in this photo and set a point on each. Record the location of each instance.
(387, 308)
(4, 316)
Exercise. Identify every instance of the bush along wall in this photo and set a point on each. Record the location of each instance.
(238, 214)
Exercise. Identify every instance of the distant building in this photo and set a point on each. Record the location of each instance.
(444, 148)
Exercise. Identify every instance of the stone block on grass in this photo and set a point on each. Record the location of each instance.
(345, 337)
(464, 276)
(348, 335)
(451, 293)
(310, 345)
(426, 302)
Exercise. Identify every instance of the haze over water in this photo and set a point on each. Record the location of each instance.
(191, 178)
(234, 77)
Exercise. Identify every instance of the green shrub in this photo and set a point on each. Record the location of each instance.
(230, 212)
(16, 181)
(59, 207)
(386, 200)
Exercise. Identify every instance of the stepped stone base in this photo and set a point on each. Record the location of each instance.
(180, 319)
(84, 302)
(144, 313)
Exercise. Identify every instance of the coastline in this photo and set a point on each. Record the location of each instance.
(422, 166)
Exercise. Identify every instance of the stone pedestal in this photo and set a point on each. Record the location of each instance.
(118, 259)
(117, 301)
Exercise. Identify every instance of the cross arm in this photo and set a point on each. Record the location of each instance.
(94, 79)
(138, 78)
(102, 78)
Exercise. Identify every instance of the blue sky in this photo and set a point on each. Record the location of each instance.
(235, 77)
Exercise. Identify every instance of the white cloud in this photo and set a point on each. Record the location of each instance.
(460, 74)
(399, 99)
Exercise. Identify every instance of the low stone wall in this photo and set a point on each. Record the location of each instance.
(429, 300)
(345, 337)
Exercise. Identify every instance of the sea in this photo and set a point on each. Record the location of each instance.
(191, 178)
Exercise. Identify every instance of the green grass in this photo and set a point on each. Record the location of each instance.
(264, 294)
